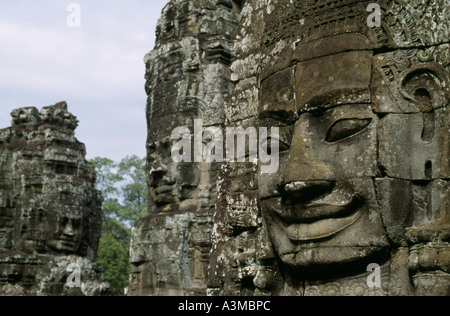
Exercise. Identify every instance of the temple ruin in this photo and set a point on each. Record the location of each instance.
(354, 93)
(359, 91)
(50, 212)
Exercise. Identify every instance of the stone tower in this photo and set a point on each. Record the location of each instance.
(187, 79)
(50, 212)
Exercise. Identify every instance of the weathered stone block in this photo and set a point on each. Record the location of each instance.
(334, 80)
(415, 146)
(277, 94)
(243, 104)
(169, 254)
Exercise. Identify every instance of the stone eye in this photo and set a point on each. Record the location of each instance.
(345, 128)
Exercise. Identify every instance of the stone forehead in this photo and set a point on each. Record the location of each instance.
(343, 69)
(337, 79)
(306, 51)
(320, 83)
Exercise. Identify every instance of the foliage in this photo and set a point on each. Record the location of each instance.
(124, 190)
(134, 191)
(113, 256)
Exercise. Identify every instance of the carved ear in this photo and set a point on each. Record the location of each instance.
(426, 86)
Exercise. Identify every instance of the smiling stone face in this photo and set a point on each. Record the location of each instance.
(67, 233)
(173, 185)
(323, 208)
(363, 118)
(50, 212)
(367, 157)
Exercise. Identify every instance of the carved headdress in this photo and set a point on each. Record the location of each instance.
(413, 23)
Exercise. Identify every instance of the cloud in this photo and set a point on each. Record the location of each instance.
(97, 68)
(63, 60)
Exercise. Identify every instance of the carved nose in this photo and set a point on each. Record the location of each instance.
(305, 163)
(158, 169)
(306, 175)
(308, 171)
(68, 230)
(308, 179)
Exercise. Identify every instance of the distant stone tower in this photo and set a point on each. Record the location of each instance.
(187, 79)
(50, 212)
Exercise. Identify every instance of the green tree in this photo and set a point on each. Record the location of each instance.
(134, 190)
(107, 182)
(124, 190)
(113, 256)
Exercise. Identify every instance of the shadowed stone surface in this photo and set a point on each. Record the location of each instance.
(50, 212)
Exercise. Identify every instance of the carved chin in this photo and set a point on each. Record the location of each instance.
(318, 256)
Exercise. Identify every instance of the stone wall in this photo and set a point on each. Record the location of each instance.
(50, 212)
(187, 79)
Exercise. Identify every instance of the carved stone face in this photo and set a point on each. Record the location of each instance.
(321, 207)
(366, 154)
(162, 172)
(171, 183)
(67, 235)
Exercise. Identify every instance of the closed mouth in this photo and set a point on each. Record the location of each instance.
(318, 219)
(164, 194)
(320, 229)
(68, 243)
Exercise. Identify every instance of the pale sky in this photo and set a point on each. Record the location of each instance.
(97, 68)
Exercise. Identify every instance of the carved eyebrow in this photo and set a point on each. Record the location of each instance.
(325, 100)
(345, 128)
